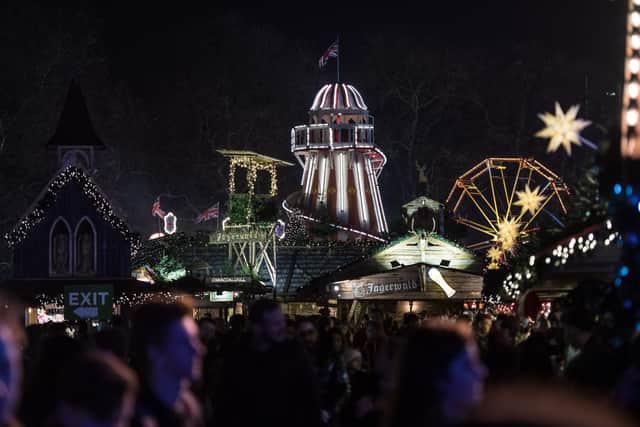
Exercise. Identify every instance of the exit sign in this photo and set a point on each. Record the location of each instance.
(88, 302)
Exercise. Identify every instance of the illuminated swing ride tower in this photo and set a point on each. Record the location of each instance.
(341, 165)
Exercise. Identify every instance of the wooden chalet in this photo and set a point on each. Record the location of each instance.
(420, 272)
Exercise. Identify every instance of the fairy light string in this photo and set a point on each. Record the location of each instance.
(48, 200)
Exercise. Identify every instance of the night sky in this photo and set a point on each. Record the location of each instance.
(168, 84)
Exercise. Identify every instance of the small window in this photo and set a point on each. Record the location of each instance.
(85, 248)
(60, 248)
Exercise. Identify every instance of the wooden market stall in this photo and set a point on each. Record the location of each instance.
(420, 272)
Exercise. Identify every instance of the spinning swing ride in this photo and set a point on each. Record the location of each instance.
(501, 198)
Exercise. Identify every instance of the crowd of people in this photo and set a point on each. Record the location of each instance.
(162, 367)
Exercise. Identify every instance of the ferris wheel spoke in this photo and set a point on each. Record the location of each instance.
(504, 186)
(513, 189)
(557, 192)
(544, 204)
(482, 212)
(477, 226)
(493, 191)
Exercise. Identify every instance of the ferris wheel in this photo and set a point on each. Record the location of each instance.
(501, 198)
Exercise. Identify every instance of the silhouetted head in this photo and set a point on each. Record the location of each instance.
(10, 373)
(504, 330)
(207, 329)
(338, 341)
(410, 320)
(439, 376)
(11, 342)
(165, 339)
(237, 323)
(353, 359)
(307, 332)
(482, 324)
(267, 322)
(96, 390)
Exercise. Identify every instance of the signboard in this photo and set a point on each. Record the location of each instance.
(229, 279)
(170, 223)
(364, 290)
(88, 302)
(241, 233)
(225, 296)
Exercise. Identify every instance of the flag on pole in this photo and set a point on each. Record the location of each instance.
(212, 212)
(156, 210)
(332, 52)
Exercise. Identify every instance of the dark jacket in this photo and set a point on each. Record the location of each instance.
(187, 411)
(272, 388)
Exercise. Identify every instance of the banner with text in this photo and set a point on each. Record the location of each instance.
(364, 290)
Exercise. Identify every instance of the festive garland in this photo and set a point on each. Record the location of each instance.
(525, 272)
(48, 199)
(129, 299)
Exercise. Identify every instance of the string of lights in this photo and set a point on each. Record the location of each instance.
(252, 167)
(524, 276)
(629, 142)
(130, 299)
(93, 193)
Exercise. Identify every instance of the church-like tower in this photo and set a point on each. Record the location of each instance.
(341, 164)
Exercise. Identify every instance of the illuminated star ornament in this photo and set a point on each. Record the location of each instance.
(563, 129)
(494, 254)
(508, 231)
(529, 199)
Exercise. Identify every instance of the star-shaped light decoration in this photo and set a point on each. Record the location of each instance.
(529, 199)
(508, 231)
(562, 129)
(494, 254)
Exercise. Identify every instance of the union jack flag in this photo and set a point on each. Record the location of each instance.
(156, 210)
(209, 213)
(332, 52)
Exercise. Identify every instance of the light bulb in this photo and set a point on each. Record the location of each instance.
(632, 117)
(634, 65)
(633, 89)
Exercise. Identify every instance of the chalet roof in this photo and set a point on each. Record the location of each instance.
(47, 198)
(415, 248)
(75, 127)
(253, 157)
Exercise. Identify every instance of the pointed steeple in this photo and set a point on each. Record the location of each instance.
(75, 137)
